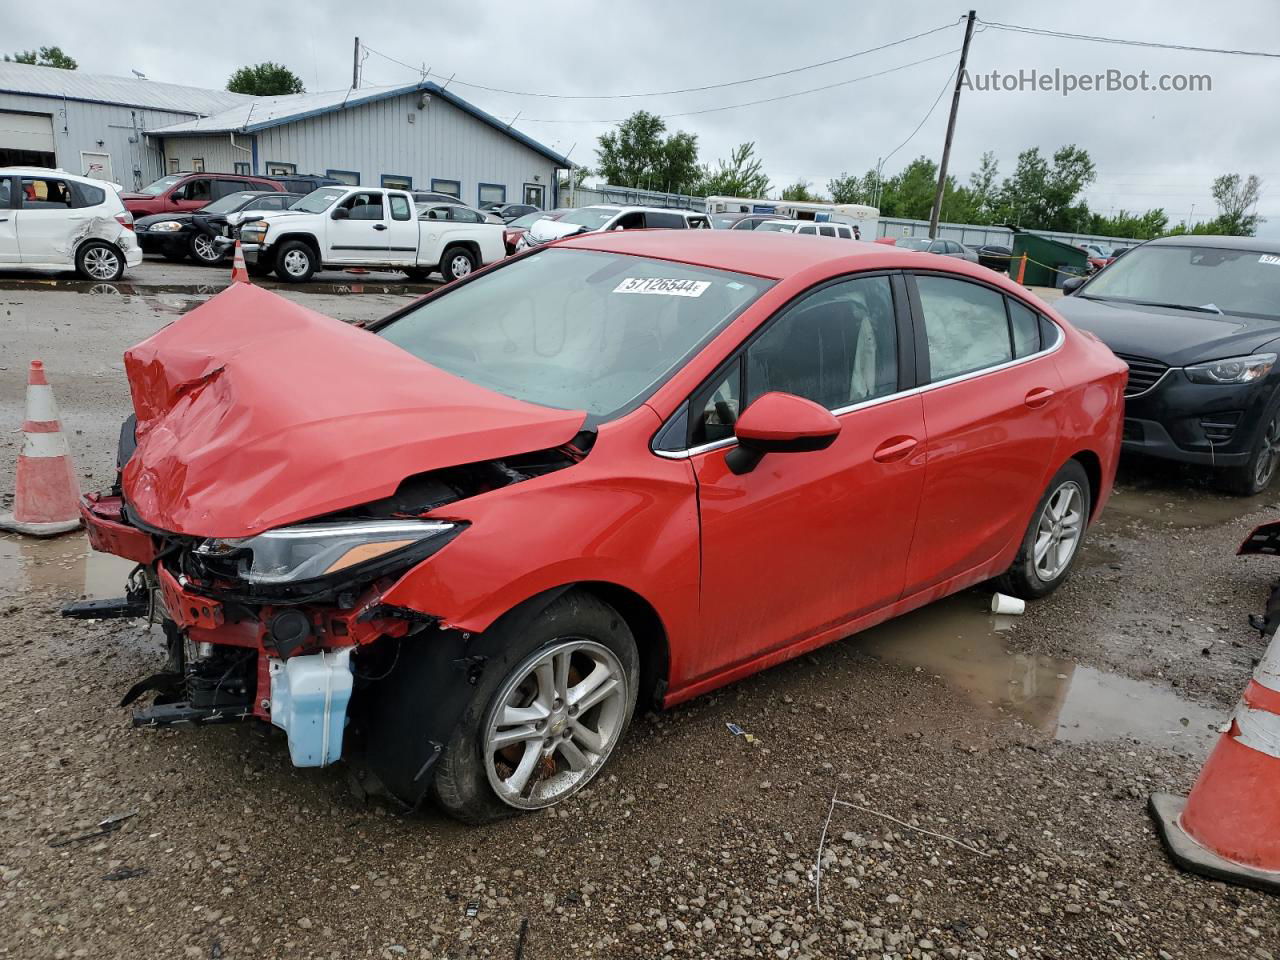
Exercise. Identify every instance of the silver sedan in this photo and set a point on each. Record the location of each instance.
(948, 248)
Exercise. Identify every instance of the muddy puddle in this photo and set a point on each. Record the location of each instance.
(1170, 496)
(960, 641)
(65, 564)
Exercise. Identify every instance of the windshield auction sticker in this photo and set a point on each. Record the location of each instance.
(667, 288)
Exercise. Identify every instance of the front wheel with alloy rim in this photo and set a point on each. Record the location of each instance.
(548, 715)
(205, 251)
(99, 260)
(295, 261)
(456, 263)
(1255, 474)
(1053, 538)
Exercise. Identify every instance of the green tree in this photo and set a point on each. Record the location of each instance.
(1042, 196)
(800, 191)
(44, 57)
(848, 188)
(579, 175)
(1139, 226)
(1237, 201)
(983, 187)
(741, 176)
(638, 155)
(265, 80)
(910, 193)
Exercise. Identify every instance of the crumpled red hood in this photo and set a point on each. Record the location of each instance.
(255, 412)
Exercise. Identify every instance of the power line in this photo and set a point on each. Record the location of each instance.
(1037, 31)
(941, 93)
(667, 93)
(752, 103)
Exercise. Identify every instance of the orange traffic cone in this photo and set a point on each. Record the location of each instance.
(47, 497)
(239, 271)
(1229, 826)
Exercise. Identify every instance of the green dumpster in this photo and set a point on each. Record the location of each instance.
(1049, 262)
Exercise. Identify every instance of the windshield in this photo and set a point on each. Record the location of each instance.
(318, 201)
(529, 219)
(914, 243)
(575, 329)
(1232, 281)
(157, 187)
(726, 220)
(232, 201)
(593, 217)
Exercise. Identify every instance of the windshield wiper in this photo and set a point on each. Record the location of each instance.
(1211, 308)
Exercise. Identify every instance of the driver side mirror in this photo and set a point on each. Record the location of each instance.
(1072, 284)
(342, 213)
(780, 423)
(177, 195)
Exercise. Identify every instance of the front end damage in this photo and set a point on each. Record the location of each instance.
(283, 473)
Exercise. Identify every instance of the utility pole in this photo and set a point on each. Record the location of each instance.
(951, 129)
(355, 65)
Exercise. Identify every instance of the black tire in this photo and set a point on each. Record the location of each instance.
(212, 255)
(1025, 578)
(417, 274)
(258, 269)
(300, 256)
(462, 787)
(457, 262)
(1256, 474)
(99, 261)
(173, 254)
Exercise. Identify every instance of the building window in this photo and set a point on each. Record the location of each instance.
(281, 169)
(349, 177)
(241, 168)
(492, 193)
(197, 164)
(535, 194)
(451, 187)
(396, 182)
(171, 165)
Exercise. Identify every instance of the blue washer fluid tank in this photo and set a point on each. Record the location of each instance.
(309, 696)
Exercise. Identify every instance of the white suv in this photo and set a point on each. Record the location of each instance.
(808, 228)
(601, 217)
(54, 220)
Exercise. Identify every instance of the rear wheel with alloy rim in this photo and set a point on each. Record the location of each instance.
(1255, 474)
(1053, 538)
(99, 260)
(204, 250)
(548, 715)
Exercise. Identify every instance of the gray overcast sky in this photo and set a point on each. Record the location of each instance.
(1151, 149)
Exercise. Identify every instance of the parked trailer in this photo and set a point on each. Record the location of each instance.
(866, 219)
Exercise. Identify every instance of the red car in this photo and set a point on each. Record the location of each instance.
(622, 470)
(514, 231)
(191, 191)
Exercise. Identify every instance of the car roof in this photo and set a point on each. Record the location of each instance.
(773, 255)
(617, 209)
(1220, 242)
(46, 172)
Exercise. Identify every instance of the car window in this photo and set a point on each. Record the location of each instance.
(699, 223)
(6, 193)
(222, 188)
(462, 214)
(46, 193)
(1026, 329)
(401, 208)
(718, 410)
(198, 189)
(670, 221)
(835, 347)
(436, 213)
(85, 194)
(965, 325)
(365, 205)
(827, 231)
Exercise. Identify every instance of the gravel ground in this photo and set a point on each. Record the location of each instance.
(695, 843)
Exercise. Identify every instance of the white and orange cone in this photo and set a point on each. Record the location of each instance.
(47, 497)
(239, 270)
(1229, 826)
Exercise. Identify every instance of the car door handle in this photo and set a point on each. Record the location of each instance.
(895, 448)
(1038, 397)
(379, 226)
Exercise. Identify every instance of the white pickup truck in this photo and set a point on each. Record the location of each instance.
(367, 227)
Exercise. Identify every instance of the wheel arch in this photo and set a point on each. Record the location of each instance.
(1092, 465)
(307, 238)
(471, 246)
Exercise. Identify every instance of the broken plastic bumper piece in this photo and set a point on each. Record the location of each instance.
(309, 696)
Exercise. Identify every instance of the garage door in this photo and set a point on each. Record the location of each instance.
(26, 138)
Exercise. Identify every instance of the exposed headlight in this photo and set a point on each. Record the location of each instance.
(1232, 370)
(166, 226)
(253, 232)
(309, 551)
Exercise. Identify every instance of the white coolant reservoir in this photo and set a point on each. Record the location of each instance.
(309, 697)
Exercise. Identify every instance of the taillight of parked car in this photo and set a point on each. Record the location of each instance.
(125, 220)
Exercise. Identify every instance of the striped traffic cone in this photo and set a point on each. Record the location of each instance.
(239, 271)
(47, 497)
(1229, 826)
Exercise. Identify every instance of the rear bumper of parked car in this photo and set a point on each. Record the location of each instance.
(1195, 423)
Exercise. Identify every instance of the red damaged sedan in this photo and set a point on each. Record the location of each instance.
(619, 471)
